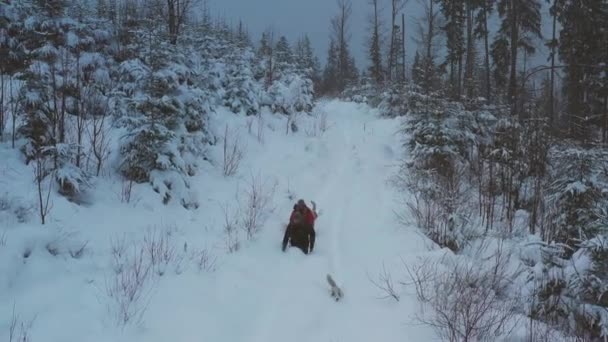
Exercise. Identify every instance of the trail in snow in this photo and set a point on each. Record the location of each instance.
(285, 296)
(258, 294)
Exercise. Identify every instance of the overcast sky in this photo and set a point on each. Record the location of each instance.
(293, 18)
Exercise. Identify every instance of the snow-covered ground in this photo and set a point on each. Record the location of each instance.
(257, 293)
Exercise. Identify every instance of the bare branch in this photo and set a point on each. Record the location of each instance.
(385, 283)
(232, 154)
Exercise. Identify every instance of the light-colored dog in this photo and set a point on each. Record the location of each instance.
(336, 292)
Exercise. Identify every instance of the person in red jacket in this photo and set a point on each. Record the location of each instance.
(301, 232)
(309, 214)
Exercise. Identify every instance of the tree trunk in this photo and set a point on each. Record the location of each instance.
(429, 42)
(65, 61)
(605, 126)
(80, 119)
(2, 113)
(487, 48)
(13, 114)
(391, 53)
(403, 46)
(468, 74)
(552, 90)
(514, 40)
(459, 80)
(172, 21)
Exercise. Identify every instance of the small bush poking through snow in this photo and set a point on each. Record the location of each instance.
(233, 153)
(18, 330)
(256, 206)
(204, 261)
(160, 250)
(230, 229)
(129, 287)
(322, 123)
(466, 301)
(14, 207)
(77, 252)
(386, 284)
(126, 191)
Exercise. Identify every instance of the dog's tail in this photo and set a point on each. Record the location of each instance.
(331, 281)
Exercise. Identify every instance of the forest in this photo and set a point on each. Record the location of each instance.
(501, 156)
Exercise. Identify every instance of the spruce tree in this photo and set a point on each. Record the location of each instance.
(330, 73)
(454, 12)
(481, 31)
(582, 47)
(376, 71)
(520, 21)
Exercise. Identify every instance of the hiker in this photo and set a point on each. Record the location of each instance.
(299, 233)
(310, 215)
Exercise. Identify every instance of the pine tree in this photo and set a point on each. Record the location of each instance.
(267, 57)
(375, 54)
(283, 52)
(330, 73)
(481, 31)
(470, 59)
(393, 55)
(416, 72)
(13, 55)
(307, 63)
(429, 73)
(345, 72)
(582, 48)
(397, 72)
(265, 45)
(242, 36)
(520, 19)
(553, 45)
(454, 12)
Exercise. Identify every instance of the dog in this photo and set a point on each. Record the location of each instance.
(336, 292)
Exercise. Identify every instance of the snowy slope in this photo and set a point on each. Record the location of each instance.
(258, 293)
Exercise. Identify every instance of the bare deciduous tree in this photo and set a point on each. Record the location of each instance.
(176, 16)
(40, 173)
(342, 35)
(233, 153)
(396, 7)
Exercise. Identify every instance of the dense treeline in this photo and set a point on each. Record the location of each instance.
(497, 149)
(136, 80)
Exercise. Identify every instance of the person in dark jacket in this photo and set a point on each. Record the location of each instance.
(309, 215)
(299, 233)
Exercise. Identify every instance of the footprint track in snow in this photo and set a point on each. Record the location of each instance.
(334, 199)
